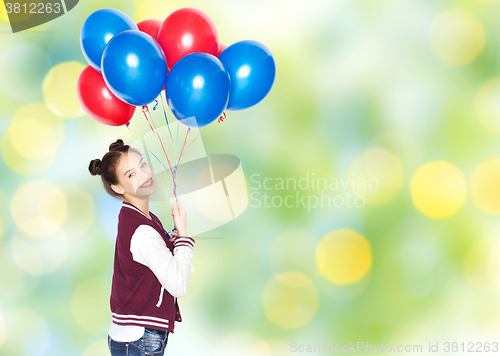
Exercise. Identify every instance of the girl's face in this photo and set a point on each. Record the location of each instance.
(135, 177)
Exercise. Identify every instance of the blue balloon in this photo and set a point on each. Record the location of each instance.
(98, 29)
(134, 67)
(252, 69)
(197, 89)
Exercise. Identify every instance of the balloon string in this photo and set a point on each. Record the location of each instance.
(221, 119)
(146, 110)
(177, 140)
(193, 139)
(182, 151)
(148, 149)
(168, 126)
(154, 125)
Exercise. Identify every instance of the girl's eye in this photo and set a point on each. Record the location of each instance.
(143, 164)
(130, 175)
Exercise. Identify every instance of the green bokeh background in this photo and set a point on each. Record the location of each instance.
(406, 77)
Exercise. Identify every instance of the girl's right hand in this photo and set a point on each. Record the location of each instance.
(180, 218)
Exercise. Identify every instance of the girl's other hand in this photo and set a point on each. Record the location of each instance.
(180, 218)
(174, 234)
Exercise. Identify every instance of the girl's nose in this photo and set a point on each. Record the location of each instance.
(148, 171)
(145, 172)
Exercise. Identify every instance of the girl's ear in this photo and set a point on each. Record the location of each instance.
(117, 189)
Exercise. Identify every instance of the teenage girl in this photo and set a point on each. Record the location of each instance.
(151, 267)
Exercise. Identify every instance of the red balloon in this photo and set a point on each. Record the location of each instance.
(186, 31)
(221, 48)
(151, 27)
(98, 101)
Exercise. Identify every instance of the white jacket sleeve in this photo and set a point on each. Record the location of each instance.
(148, 248)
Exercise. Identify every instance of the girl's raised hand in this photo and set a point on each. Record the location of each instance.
(180, 218)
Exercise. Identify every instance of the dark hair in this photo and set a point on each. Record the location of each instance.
(106, 167)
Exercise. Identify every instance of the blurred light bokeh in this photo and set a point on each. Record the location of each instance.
(372, 169)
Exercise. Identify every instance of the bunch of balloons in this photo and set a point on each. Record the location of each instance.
(130, 64)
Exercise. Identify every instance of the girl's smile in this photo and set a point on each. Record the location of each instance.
(148, 183)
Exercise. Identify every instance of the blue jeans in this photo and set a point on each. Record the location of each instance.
(153, 342)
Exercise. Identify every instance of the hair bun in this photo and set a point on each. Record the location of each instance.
(117, 144)
(95, 167)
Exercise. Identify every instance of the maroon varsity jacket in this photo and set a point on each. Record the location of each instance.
(137, 295)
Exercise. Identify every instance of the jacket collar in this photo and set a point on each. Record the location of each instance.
(133, 207)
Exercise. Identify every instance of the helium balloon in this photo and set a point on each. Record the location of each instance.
(197, 89)
(221, 48)
(151, 27)
(134, 67)
(99, 102)
(98, 29)
(186, 31)
(252, 69)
